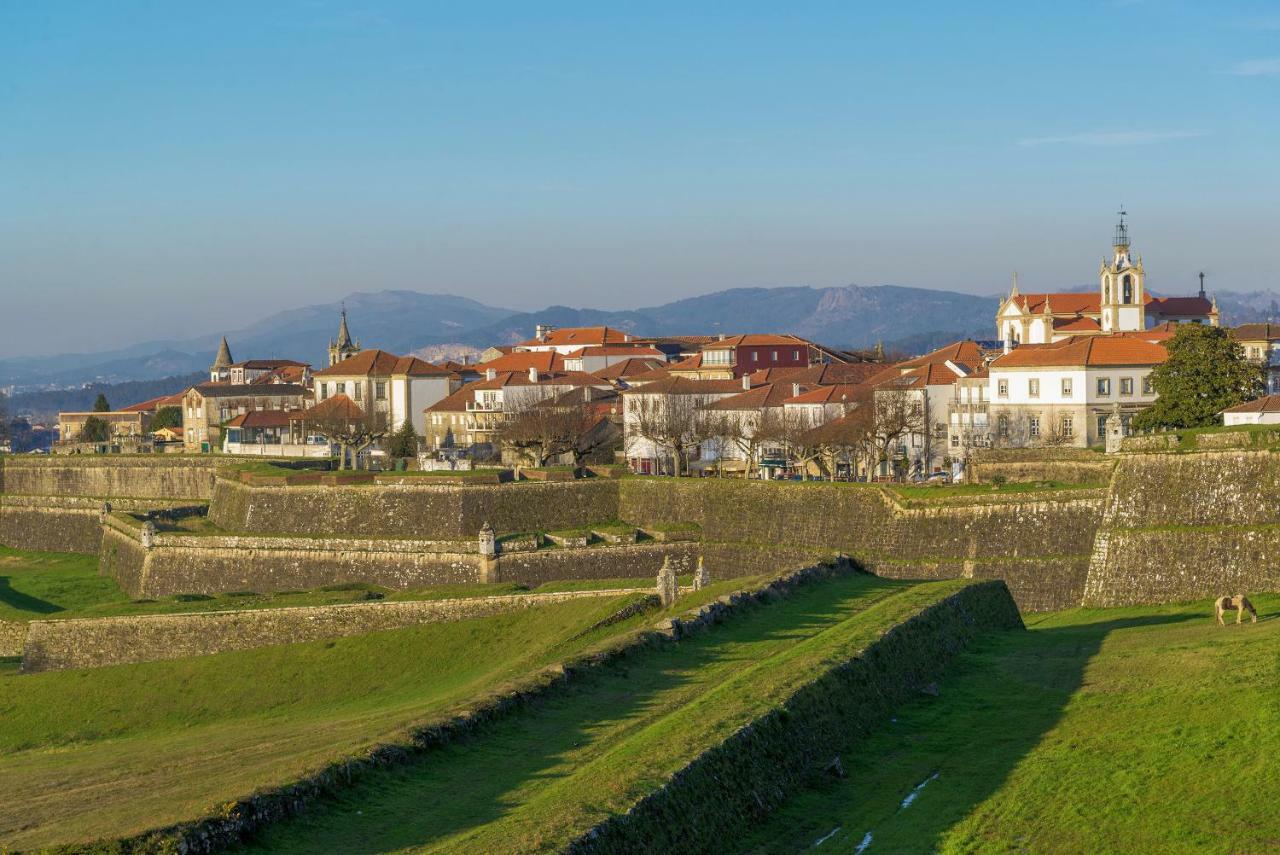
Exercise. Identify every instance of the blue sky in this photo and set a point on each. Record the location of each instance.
(174, 168)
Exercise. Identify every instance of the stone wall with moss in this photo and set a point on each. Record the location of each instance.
(423, 510)
(1042, 540)
(143, 476)
(1067, 465)
(639, 561)
(1185, 526)
(50, 645)
(61, 523)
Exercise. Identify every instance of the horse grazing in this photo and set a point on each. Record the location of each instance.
(1238, 604)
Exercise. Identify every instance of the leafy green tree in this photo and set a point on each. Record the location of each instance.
(167, 417)
(95, 430)
(101, 405)
(1206, 372)
(404, 442)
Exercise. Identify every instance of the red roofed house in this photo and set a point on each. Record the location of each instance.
(1121, 304)
(729, 357)
(569, 339)
(1062, 393)
(390, 387)
(598, 357)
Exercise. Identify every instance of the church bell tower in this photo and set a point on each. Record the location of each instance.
(342, 347)
(1122, 283)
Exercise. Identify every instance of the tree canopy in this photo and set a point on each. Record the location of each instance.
(1206, 372)
(404, 442)
(167, 417)
(95, 430)
(100, 405)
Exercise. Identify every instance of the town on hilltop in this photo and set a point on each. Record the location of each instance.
(1064, 369)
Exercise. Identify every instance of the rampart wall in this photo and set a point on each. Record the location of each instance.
(142, 476)
(1187, 526)
(91, 643)
(429, 511)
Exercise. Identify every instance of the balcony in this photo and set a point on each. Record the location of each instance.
(484, 406)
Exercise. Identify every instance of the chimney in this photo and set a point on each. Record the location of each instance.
(533, 374)
(541, 331)
(490, 374)
(746, 382)
(721, 337)
(795, 390)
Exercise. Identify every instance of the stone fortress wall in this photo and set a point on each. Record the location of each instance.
(1166, 526)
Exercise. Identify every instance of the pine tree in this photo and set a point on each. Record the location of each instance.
(404, 442)
(1206, 372)
(167, 417)
(101, 405)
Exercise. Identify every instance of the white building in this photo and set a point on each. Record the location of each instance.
(1121, 304)
(394, 387)
(1263, 411)
(1062, 393)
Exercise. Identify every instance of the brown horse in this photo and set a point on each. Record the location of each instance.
(1238, 604)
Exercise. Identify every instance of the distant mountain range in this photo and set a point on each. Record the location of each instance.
(910, 320)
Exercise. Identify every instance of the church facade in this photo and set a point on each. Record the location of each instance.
(1121, 304)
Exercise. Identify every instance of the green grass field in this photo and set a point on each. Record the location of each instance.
(534, 781)
(1101, 731)
(115, 751)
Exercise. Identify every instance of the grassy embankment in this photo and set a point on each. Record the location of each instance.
(1120, 730)
(115, 751)
(535, 781)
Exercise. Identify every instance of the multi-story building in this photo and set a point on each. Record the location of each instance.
(388, 387)
(207, 408)
(1261, 343)
(1062, 393)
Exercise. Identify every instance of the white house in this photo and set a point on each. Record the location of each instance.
(1263, 411)
(1062, 393)
(394, 387)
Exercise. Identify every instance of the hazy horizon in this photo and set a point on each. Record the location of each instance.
(167, 172)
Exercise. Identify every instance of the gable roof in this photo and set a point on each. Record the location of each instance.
(966, 353)
(263, 419)
(174, 400)
(1265, 404)
(755, 340)
(1256, 332)
(369, 363)
(523, 360)
(1084, 351)
(1180, 307)
(580, 336)
(335, 406)
(629, 368)
(1078, 324)
(768, 395)
(838, 394)
(250, 390)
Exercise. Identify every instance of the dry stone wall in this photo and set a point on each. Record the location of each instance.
(143, 476)
(1188, 526)
(1068, 465)
(61, 523)
(92, 643)
(428, 511)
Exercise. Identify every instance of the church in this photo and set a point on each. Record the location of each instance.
(1121, 304)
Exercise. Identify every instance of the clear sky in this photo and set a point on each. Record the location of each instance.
(172, 168)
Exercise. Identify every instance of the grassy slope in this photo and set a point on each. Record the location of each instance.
(117, 750)
(42, 584)
(535, 780)
(1122, 730)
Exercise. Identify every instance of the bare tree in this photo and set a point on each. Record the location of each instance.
(899, 413)
(712, 431)
(353, 430)
(850, 439)
(670, 422)
(541, 431)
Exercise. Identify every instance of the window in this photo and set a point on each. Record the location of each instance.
(795, 354)
(1102, 426)
(1148, 388)
(380, 390)
(1125, 419)
(1104, 387)
(358, 387)
(1033, 425)
(1002, 388)
(1128, 288)
(1033, 387)
(717, 357)
(1066, 387)
(755, 357)
(1003, 426)
(1068, 426)
(1126, 385)
(774, 357)
(955, 440)
(341, 387)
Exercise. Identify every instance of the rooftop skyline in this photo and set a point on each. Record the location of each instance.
(177, 170)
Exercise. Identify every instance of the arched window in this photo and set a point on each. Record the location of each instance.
(1128, 288)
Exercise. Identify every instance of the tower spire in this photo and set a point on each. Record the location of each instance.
(344, 334)
(221, 362)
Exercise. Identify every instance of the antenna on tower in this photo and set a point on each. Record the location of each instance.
(1122, 230)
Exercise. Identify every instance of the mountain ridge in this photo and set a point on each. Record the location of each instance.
(407, 321)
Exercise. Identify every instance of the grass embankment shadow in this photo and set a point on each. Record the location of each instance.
(434, 801)
(16, 599)
(916, 777)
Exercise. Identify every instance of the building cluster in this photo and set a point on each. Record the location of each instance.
(1062, 368)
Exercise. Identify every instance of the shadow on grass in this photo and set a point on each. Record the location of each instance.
(448, 792)
(24, 602)
(994, 706)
